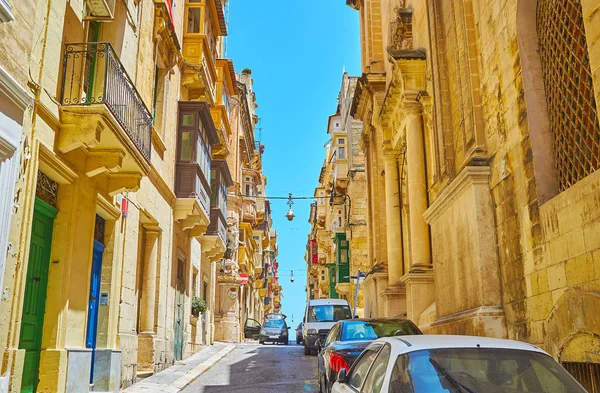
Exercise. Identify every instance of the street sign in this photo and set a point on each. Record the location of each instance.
(244, 278)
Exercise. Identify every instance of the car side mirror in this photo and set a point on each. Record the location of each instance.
(342, 376)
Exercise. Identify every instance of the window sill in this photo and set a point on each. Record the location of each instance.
(157, 141)
(5, 12)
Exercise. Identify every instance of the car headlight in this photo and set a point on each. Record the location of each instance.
(312, 331)
(262, 332)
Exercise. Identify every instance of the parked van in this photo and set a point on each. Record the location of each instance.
(320, 315)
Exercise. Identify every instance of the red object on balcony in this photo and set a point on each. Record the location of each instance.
(124, 207)
(314, 254)
(170, 8)
(275, 265)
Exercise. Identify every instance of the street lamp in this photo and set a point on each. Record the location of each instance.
(292, 276)
(290, 214)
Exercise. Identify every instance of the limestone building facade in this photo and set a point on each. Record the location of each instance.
(115, 124)
(337, 245)
(481, 143)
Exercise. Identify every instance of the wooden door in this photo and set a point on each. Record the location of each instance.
(179, 311)
(94, 302)
(34, 303)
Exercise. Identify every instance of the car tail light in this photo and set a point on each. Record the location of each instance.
(336, 363)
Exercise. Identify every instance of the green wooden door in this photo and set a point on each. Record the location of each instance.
(34, 303)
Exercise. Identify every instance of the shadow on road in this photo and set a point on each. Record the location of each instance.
(264, 369)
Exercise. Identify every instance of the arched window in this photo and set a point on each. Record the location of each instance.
(569, 90)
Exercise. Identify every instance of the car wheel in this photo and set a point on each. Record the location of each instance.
(306, 350)
(286, 342)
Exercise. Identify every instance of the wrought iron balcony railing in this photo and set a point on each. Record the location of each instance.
(93, 74)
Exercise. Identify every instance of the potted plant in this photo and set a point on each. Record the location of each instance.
(198, 306)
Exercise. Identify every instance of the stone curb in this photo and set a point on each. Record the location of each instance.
(182, 382)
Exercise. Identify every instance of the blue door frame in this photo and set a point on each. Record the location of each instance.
(94, 301)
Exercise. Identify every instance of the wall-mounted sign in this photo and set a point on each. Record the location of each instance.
(104, 299)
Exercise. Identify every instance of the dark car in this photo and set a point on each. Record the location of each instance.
(299, 334)
(275, 331)
(347, 339)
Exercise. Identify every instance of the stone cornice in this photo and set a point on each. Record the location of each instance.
(470, 175)
(13, 90)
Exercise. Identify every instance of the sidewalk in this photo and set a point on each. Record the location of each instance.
(177, 377)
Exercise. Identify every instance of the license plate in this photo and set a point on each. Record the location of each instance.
(273, 336)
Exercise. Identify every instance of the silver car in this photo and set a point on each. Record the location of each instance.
(454, 364)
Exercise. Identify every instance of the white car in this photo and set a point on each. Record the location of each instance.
(454, 364)
(319, 317)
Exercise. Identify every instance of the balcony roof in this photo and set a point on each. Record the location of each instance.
(218, 4)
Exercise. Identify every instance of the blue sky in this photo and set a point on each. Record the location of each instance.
(296, 52)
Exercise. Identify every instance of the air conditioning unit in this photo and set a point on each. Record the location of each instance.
(100, 10)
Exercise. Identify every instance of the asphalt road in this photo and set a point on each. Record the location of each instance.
(253, 368)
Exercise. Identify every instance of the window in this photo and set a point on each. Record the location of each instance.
(194, 144)
(341, 152)
(360, 368)
(193, 16)
(328, 313)
(187, 143)
(333, 335)
(5, 11)
(376, 375)
(572, 112)
(247, 189)
(341, 141)
(205, 289)
(195, 282)
(372, 330)
(480, 370)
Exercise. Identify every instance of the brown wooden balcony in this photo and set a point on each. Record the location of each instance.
(191, 183)
(102, 113)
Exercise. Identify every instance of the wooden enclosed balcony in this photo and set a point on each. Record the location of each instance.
(340, 175)
(103, 115)
(215, 239)
(249, 210)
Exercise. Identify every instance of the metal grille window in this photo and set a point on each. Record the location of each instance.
(587, 374)
(569, 90)
(46, 189)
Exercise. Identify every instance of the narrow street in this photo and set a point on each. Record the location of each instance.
(254, 368)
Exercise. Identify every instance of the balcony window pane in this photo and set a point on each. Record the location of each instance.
(187, 146)
(193, 20)
(188, 120)
(341, 153)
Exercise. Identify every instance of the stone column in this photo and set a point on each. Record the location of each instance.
(149, 281)
(393, 220)
(417, 191)
(419, 280)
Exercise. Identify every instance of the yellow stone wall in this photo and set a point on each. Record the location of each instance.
(511, 257)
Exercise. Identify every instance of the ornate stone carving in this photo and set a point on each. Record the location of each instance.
(229, 262)
(401, 37)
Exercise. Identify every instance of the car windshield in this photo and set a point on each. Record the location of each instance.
(372, 330)
(471, 370)
(328, 313)
(273, 323)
